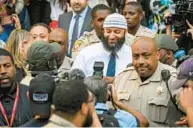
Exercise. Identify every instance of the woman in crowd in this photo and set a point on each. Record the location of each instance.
(17, 44)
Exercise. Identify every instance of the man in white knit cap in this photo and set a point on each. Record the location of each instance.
(112, 50)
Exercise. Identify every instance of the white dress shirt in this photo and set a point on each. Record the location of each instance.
(80, 24)
(96, 52)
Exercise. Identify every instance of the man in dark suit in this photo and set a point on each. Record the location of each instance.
(76, 22)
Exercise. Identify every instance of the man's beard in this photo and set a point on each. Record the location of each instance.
(5, 87)
(89, 120)
(113, 49)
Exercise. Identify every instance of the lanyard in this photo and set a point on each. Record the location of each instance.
(13, 109)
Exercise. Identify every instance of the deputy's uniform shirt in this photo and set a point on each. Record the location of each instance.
(151, 97)
(96, 52)
(141, 32)
(56, 121)
(86, 39)
(65, 67)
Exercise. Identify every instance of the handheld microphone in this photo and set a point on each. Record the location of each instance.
(165, 75)
(76, 74)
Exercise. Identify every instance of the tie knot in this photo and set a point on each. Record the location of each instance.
(77, 16)
(113, 54)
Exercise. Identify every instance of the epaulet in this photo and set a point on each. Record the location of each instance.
(131, 68)
(146, 32)
(87, 33)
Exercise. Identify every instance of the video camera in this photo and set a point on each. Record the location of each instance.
(98, 69)
(183, 12)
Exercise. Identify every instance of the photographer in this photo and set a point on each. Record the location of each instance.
(42, 57)
(126, 116)
(185, 82)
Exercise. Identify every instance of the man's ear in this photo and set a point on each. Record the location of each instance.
(92, 24)
(158, 55)
(84, 109)
(27, 93)
(142, 14)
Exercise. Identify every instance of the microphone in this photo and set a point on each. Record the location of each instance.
(166, 76)
(76, 74)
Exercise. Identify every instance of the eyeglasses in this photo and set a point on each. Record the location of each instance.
(92, 100)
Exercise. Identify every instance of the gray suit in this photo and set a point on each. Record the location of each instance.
(65, 19)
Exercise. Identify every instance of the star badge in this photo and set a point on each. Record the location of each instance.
(159, 90)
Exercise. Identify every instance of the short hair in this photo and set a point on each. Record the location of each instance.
(4, 52)
(98, 87)
(41, 24)
(69, 96)
(99, 7)
(136, 4)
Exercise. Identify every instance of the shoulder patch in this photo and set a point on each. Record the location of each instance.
(77, 44)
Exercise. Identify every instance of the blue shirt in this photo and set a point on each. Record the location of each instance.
(80, 24)
(124, 118)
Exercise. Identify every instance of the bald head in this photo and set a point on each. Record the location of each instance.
(145, 43)
(59, 36)
(145, 56)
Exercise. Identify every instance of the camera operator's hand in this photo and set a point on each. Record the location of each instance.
(114, 94)
(186, 101)
(190, 30)
(183, 121)
(109, 80)
(17, 21)
(167, 17)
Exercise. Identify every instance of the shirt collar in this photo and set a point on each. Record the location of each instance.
(60, 121)
(155, 77)
(109, 53)
(11, 93)
(100, 106)
(82, 14)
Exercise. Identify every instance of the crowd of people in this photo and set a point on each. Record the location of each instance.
(87, 63)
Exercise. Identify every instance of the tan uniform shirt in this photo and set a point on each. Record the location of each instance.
(86, 39)
(65, 67)
(151, 97)
(142, 31)
(26, 80)
(56, 121)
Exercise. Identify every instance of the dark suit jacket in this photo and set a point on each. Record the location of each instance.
(65, 18)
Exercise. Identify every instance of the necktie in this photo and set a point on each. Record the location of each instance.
(111, 66)
(74, 35)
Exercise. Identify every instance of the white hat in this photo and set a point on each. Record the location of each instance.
(115, 20)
